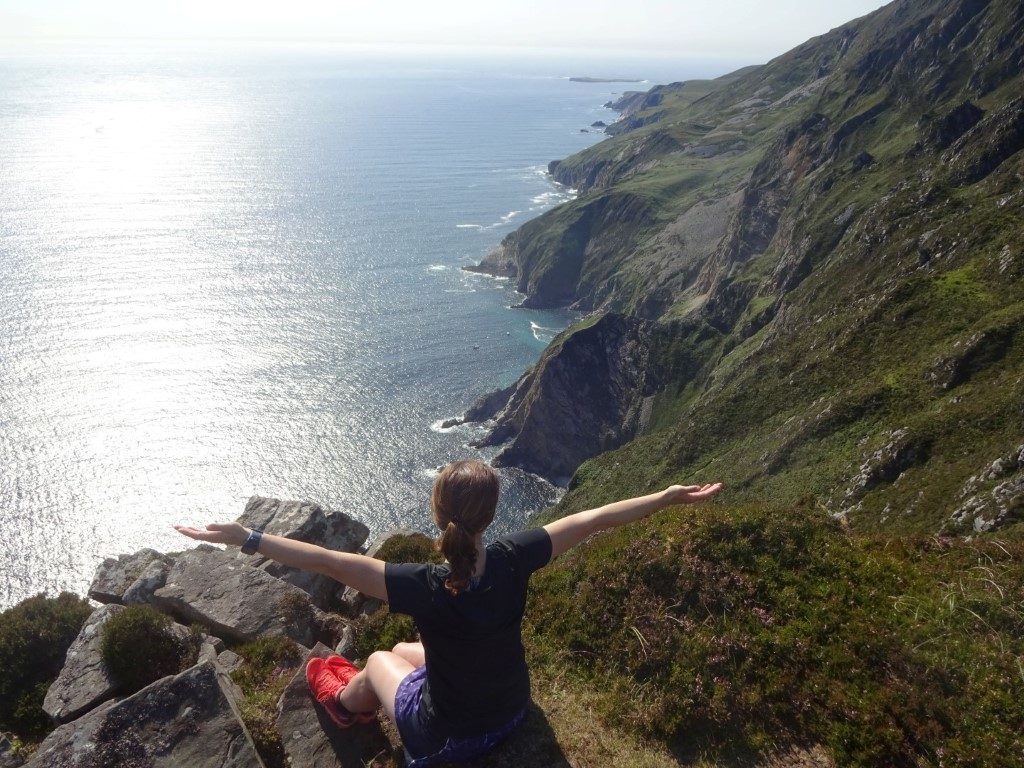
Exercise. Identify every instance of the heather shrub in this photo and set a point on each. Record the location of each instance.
(269, 664)
(139, 647)
(722, 631)
(34, 637)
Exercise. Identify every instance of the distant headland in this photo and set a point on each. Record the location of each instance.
(605, 80)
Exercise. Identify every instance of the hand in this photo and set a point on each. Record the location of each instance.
(217, 533)
(690, 494)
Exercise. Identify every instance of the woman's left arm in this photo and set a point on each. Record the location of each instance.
(359, 571)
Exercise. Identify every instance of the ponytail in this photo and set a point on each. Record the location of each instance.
(459, 548)
(463, 501)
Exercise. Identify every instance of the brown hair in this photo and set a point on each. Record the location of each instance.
(463, 501)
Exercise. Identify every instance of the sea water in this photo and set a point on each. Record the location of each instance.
(235, 270)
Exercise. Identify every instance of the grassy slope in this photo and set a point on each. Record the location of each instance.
(873, 277)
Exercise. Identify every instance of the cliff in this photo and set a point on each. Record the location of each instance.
(811, 257)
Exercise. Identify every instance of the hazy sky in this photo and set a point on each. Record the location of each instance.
(751, 29)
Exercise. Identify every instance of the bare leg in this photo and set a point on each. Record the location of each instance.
(411, 652)
(376, 685)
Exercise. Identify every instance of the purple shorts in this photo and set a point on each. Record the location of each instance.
(423, 747)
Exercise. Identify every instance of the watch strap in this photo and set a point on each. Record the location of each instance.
(252, 543)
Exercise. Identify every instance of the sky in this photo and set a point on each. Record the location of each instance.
(747, 29)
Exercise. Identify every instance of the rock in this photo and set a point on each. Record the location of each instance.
(236, 601)
(940, 132)
(583, 396)
(347, 643)
(303, 521)
(311, 740)
(452, 422)
(229, 661)
(599, 124)
(901, 451)
(83, 682)
(8, 757)
(862, 160)
(115, 576)
(986, 507)
(972, 354)
(185, 720)
(487, 406)
(150, 580)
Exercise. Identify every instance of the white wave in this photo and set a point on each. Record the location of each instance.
(473, 275)
(469, 226)
(541, 333)
(509, 216)
(436, 427)
(437, 267)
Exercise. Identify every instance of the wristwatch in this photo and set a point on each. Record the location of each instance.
(253, 542)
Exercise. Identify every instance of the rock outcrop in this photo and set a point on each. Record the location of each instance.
(584, 396)
(83, 682)
(189, 719)
(303, 521)
(311, 740)
(116, 577)
(994, 496)
(235, 601)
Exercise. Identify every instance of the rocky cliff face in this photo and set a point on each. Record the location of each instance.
(201, 717)
(789, 263)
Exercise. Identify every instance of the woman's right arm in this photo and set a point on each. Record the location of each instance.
(571, 530)
(365, 574)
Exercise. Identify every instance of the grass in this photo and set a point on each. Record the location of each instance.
(269, 665)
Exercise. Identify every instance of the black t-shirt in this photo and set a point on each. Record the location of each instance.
(476, 668)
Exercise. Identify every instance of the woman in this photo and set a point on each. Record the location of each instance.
(465, 687)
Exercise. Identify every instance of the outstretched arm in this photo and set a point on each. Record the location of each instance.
(570, 531)
(363, 573)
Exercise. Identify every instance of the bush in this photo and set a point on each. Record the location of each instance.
(414, 548)
(34, 638)
(139, 647)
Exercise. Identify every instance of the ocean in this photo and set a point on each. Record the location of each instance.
(232, 270)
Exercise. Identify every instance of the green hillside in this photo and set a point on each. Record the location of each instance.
(805, 280)
(821, 261)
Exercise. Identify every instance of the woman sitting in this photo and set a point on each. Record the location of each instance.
(464, 687)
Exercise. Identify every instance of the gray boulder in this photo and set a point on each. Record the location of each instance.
(8, 757)
(152, 577)
(309, 737)
(83, 682)
(235, 601)
(189, 719)
(303, 521)
(114, 576)
(229, 661)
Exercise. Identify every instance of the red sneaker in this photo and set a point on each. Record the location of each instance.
(324, 685)
(345, 670)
